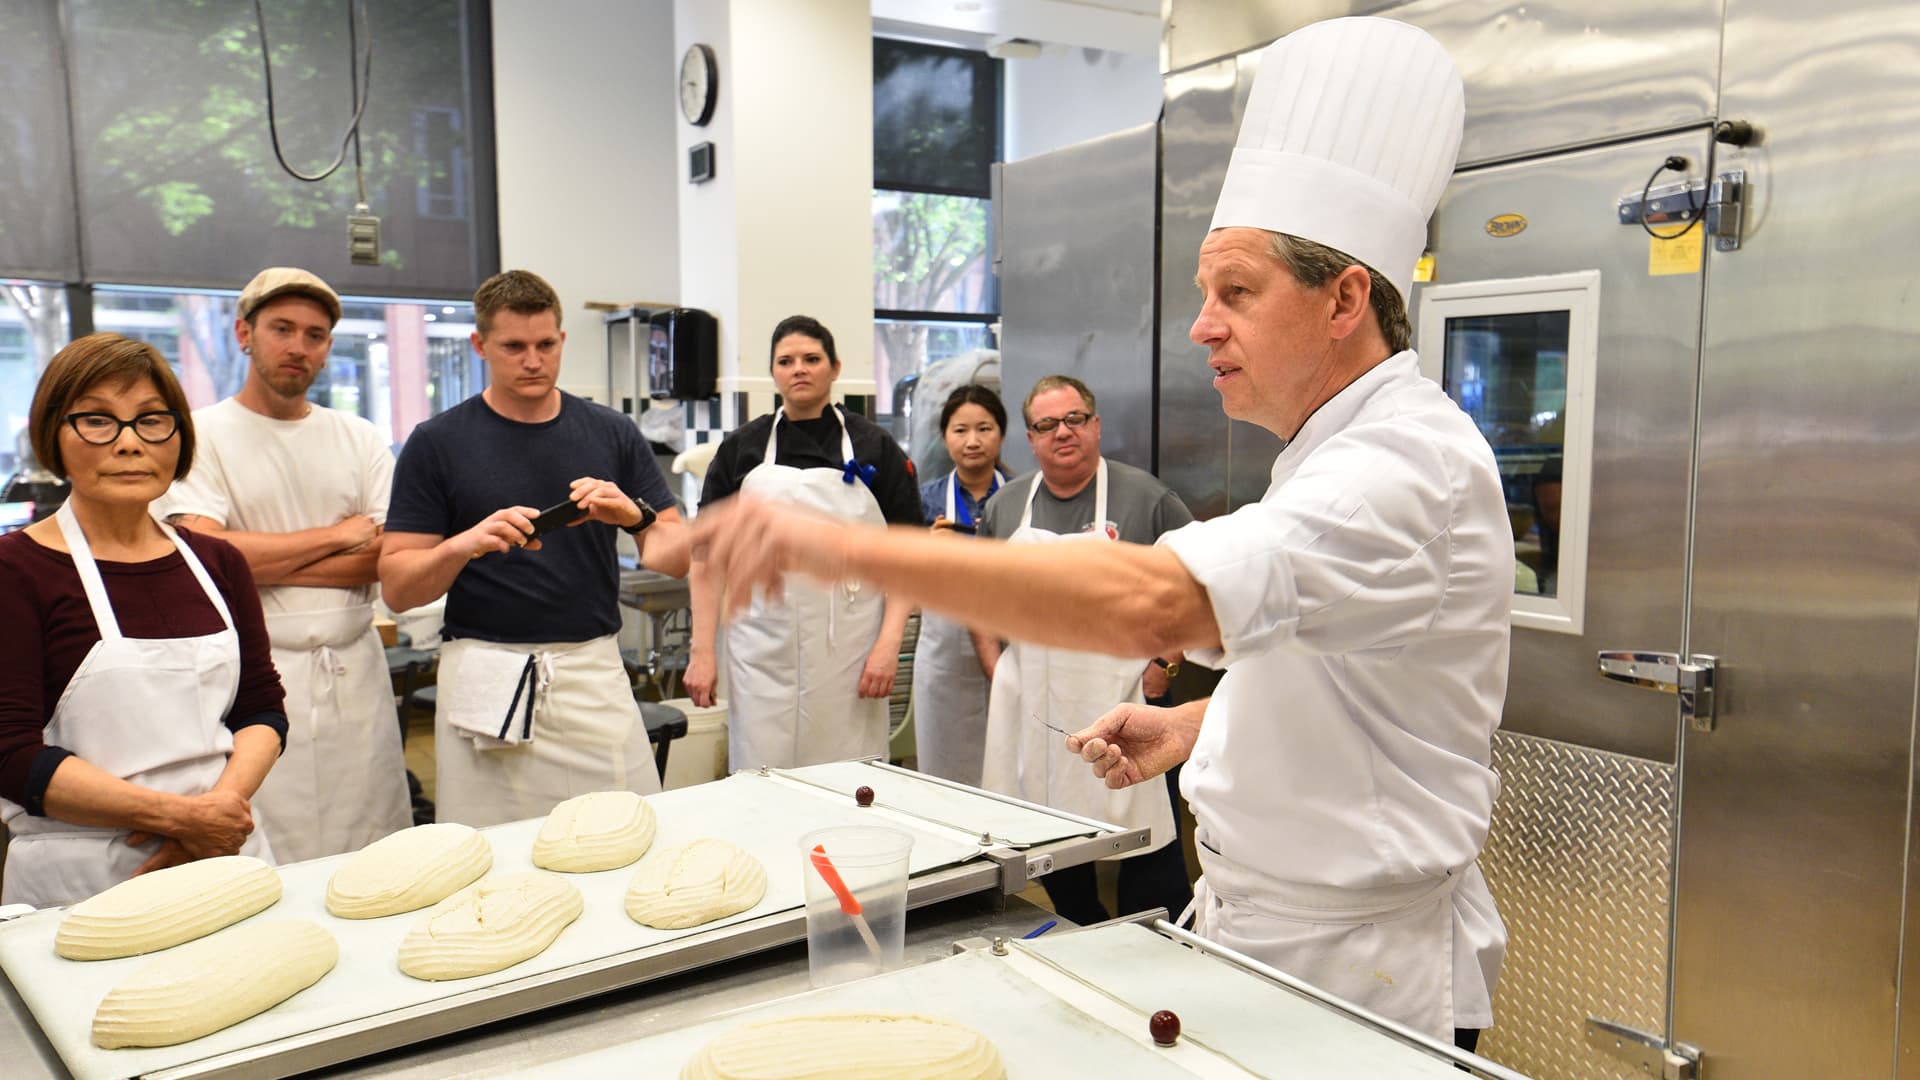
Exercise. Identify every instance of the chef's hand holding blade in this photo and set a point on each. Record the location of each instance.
(1134, 743)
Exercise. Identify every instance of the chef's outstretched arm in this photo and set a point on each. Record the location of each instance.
(1121, 599)
(1134, 743)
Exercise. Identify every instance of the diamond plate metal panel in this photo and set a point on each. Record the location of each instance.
(1580, 860)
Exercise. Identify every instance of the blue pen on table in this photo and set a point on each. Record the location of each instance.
(1041, 929)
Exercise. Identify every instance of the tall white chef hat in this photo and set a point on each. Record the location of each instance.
(1349, 137)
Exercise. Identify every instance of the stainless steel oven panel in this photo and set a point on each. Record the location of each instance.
(1077, 284)
(1795, 841)
(1648, 353)
(1199, 31)
(1198, 125)
(1542, 75)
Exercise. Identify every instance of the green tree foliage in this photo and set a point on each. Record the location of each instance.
(170, 106)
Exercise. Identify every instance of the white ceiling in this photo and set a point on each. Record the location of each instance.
(1128, 26)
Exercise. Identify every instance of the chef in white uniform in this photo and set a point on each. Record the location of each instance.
(302, 490)
(1341, 778)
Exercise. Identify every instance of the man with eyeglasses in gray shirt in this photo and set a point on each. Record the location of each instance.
(1078, 496)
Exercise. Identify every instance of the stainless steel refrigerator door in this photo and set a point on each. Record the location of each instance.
(1580, 857)
(1795, 842)
(1648, 351)
(1077, 284)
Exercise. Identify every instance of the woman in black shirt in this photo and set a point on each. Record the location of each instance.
(809, 672)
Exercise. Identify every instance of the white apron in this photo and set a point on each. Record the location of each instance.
(342, 783)
(949, 689)
(512, 740)
(794, 663)
(151, 711)
(1388, 949)
(1041, 695)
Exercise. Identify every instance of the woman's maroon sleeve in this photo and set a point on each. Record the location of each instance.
(22, 674)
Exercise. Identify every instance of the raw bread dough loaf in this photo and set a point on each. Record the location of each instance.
(600, 830)
(408, 870)
(497, 923)
(198, 989)
(848, 1046)
(167, 907)
(695, 883)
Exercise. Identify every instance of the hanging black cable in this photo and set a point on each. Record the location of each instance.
(360, 77)
(1677, 164)
(359, 92)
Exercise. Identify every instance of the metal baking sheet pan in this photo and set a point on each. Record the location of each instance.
(1057, 1004)
(366, 1005)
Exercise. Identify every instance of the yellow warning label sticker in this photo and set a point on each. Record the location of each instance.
(1680, 255)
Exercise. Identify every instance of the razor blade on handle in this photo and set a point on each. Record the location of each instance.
(849, 906)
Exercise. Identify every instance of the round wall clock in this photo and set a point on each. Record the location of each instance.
(699, 84)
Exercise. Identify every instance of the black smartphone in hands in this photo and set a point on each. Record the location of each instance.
(558, 516)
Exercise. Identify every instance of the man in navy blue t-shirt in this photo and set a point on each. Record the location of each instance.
(534, 705)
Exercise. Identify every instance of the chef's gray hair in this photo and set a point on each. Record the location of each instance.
(1313, 265)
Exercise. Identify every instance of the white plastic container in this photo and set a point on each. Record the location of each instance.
(701, 754)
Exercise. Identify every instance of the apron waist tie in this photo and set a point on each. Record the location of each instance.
(327, 671)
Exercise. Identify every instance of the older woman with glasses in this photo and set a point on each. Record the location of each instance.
(139, 708)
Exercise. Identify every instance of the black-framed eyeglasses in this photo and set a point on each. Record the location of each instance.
(1075, 419)
(103, 429)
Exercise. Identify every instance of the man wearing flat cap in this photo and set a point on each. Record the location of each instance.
(1341, 774)
(301, 490)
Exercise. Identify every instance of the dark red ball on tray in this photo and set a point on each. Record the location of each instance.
(1164, 1027)
(863, 795)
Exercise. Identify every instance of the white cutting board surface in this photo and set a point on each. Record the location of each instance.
(966, 812)
(1037, 1033)
(1236, 1013)
(764, 816)
(1049, 1025)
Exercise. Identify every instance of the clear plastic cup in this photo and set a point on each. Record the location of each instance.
(859, 928)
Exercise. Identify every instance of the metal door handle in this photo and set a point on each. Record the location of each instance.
(1691, 679)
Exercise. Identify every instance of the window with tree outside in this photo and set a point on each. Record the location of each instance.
(936, 135)
(139, 190)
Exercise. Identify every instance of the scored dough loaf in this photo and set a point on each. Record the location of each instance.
(695, 883)
(600, 830)
(496, 923)
(166, 907)
(214, 983)
(848, 1046)
(408, 870)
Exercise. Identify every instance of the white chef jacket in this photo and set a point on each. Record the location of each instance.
(1363, 607)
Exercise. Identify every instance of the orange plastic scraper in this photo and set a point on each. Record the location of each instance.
(848, 905)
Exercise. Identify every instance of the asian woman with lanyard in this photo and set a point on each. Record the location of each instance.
(949, 689)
